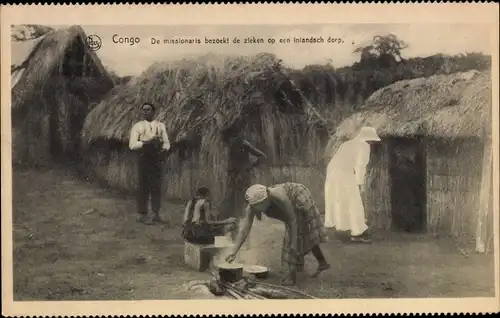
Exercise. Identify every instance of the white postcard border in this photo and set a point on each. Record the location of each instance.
(226, 15)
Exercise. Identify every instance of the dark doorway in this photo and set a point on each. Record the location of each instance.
(407, 181)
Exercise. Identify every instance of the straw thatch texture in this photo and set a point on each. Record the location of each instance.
(198, 100)
(208, 94)
(484, 230)
(451, 116)
(378, 206)
(432, 106)
(55, 79)
(334, 93)
(453, 186)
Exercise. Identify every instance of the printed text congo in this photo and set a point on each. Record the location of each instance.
(126, 39)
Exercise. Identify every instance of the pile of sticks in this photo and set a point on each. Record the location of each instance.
(240, 293)
(249, 288)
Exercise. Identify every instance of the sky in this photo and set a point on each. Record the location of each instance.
(423, 40)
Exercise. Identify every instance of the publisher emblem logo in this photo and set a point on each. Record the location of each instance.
(93, 42)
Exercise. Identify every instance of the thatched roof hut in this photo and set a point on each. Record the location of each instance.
(201, 99)
(54, 80)
(207, 94)
(430, 169)
(428, 106)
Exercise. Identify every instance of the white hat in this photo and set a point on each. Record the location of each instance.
(368, 134)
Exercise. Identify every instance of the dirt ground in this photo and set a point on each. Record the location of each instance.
(74, 240)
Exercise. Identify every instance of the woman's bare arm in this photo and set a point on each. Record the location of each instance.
(253, 150)
(197, 211)
(210, 216)
(186, 211)
(245, 229)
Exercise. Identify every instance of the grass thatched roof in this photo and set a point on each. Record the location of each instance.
(198, 96)
(442, 106)
(36, 60)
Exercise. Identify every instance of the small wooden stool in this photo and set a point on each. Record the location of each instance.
(200, 256)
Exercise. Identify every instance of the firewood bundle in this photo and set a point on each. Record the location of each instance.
(249, 288)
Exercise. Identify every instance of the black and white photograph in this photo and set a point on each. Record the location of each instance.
(252, 162)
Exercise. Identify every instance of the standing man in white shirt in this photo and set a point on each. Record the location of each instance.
(150, 140)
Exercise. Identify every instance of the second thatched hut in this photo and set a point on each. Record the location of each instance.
(198, 100)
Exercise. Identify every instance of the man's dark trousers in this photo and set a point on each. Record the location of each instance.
(149, 179)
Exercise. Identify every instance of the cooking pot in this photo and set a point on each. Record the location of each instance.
(230, 272)
(257, 271)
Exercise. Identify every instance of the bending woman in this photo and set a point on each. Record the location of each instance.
(292, 204)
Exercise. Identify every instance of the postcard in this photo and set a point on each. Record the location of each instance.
(301, 158)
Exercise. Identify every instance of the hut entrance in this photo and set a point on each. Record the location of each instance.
(407, 184)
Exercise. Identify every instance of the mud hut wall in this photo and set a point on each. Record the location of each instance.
(116, 165)
(453, 180)
(31, 141)
(484, 226)
(31, 125)
(66, 105)
(287, 139)
(49, 122)
(184, 173)
(453, 186)
(17, 142)
(489, 224)
(96, 161)
(377, 200)
(489, 232)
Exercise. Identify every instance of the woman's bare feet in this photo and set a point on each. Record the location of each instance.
(321, 267)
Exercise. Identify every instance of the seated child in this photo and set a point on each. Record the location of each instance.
(200, 225)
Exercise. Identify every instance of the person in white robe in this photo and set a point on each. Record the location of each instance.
(345, 179)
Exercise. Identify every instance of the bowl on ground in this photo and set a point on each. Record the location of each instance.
(258, 271)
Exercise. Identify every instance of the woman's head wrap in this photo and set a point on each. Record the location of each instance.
(256, 194)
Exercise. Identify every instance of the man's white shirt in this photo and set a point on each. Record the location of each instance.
(145, 130)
